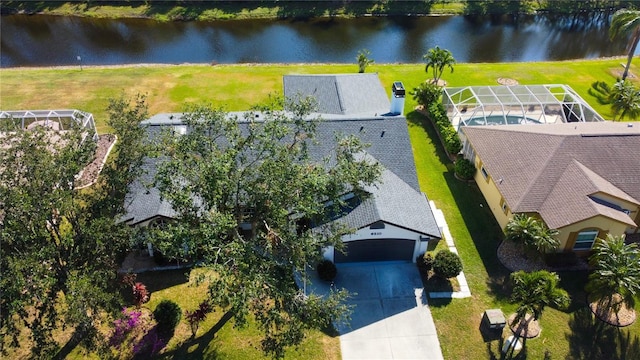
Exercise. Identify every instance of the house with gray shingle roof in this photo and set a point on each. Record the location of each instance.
(582, 179)
(395, 223)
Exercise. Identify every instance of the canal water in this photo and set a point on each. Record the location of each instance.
(56, 40)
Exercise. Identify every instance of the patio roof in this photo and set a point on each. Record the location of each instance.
(518, 104)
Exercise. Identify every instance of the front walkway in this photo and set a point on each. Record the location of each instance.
(462, 280)
(390, 319)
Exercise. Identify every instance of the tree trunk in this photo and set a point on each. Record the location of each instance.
(632, 50)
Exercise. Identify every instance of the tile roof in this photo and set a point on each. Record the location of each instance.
(553, 169)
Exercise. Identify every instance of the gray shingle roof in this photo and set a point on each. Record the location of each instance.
(396, 200)
(342, 94)
(553, 169)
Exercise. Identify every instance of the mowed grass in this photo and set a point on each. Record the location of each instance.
(567, 334)
(237, 87)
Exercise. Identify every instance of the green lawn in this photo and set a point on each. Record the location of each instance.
(568, 334)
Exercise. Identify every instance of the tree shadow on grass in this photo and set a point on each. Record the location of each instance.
(480, 222)
(592, 339)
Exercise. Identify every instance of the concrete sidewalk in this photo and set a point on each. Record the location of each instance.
(391, 319)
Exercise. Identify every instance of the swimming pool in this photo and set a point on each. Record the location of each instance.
(499, 120)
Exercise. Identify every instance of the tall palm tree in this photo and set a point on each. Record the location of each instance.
(534, 291)
(437, 59)
(617, 273)
(626, 22)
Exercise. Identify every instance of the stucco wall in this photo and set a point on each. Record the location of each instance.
(603, 224)
(492, 195)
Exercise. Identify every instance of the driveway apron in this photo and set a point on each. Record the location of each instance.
(391, 318)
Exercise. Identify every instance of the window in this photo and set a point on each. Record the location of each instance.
(484, 172)
(503, 204)
(585, 240)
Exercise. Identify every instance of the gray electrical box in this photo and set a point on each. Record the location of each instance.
(494, 319)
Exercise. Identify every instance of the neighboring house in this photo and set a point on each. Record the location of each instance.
(396, 221)
(582, 179)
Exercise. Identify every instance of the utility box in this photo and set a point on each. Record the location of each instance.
(494, 319)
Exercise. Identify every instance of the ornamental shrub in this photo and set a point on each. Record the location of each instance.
(427, 259)
(447, 264)
(426, 93)
(465, 169)
(327, 270)
(167, 315)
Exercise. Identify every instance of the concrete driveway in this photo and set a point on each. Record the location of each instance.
(391, 319)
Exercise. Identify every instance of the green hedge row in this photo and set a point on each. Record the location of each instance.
(448, 133)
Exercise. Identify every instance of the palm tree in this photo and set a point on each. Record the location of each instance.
(615, 280)
(437, 59)
(623, 97)
(626, 22)
(531, 233)
(534, 291)
(363, 60)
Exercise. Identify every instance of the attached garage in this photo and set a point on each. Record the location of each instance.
(376, 250)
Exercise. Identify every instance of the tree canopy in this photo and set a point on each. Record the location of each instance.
(256, 207)
(437, 59)
(59, 256)
(616, 272)
(532, 233)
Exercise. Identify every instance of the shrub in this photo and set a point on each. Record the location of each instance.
(427, 259)
(448, 134)
(167, 315)
(426, 93)
(327, 270)
(447, 264)
(195, 317)
(465, 169)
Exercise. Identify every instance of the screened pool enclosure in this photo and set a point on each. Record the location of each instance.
(58, 120)
(518, 104)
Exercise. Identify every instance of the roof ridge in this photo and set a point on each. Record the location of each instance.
(534, 181)
(589, 173)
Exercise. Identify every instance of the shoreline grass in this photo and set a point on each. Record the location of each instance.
(568, 334)
(234, 10)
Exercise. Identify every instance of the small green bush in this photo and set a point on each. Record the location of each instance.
(465, 169)
(167, 315)
(447, 264)
(327, 270)
(426, 93)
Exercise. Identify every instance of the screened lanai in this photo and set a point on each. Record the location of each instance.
(59, 120)
(518, 104)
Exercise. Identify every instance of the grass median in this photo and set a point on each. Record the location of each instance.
(567, 334)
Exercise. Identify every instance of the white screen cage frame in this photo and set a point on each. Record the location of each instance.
(59, 120)
(516, 104)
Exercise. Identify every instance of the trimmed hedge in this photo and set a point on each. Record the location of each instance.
(448, 134)
(167, 315)
(447, 264)
(426, 93)
(465, 169)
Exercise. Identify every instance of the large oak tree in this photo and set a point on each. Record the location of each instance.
(61, 246)
(256, 172)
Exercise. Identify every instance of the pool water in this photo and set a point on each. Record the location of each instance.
(499, 120)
